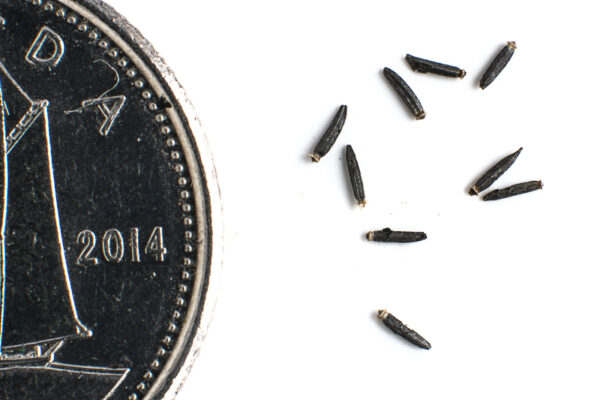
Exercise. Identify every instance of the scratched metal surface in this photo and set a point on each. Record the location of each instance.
(107, 210)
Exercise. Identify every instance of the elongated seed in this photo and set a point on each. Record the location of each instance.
(424, 66)
(497, 64)
(513, 190)
(389, 236)
(405, 92)
(355, 177)
(331, 134)
(492, 174)
(396, 326)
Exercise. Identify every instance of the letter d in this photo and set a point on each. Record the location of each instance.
(47, 49)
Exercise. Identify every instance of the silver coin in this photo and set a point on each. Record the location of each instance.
(110, 234)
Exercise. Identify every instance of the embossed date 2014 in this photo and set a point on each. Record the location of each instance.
(114, 247)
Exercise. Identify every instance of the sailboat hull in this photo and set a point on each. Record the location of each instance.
(48, 382)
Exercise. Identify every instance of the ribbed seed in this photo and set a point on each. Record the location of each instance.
(396, 326)
(497, 64)
(331, 134)
(390, 236)
(492, 174)
(405, 92)
(513, 190)
(425, 66)
(355, 176)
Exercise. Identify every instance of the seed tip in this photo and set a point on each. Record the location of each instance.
(463, 73)
(421, 115)
(362, 203)
(382, 314)
(370, 236)
(512, 45)
(473, 191)
(315, 157)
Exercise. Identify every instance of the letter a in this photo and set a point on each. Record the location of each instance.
(110, 107)
(47, 49)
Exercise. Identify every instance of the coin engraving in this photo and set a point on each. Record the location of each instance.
(109, 107)
(39, 46)
(32, 344)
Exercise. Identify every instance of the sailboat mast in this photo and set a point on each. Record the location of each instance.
(3, 211)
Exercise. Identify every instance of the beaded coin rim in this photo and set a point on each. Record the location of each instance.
(197, 153)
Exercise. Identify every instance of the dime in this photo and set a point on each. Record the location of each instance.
(108, 211)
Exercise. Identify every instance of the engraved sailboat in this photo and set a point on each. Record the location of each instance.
(38, 313)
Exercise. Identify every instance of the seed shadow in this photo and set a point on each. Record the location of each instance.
(364, 237)
(374, 318)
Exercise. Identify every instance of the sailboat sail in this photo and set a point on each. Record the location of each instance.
(37, 303)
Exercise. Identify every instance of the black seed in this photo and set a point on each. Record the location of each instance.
(492, 174)
(424, 66)
(497, 64)
(388, 235)
(355, 177)
(330, 135)
(396, 326)
(405, 92)
(513, 190)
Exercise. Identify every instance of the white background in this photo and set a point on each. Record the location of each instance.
(505, 291)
